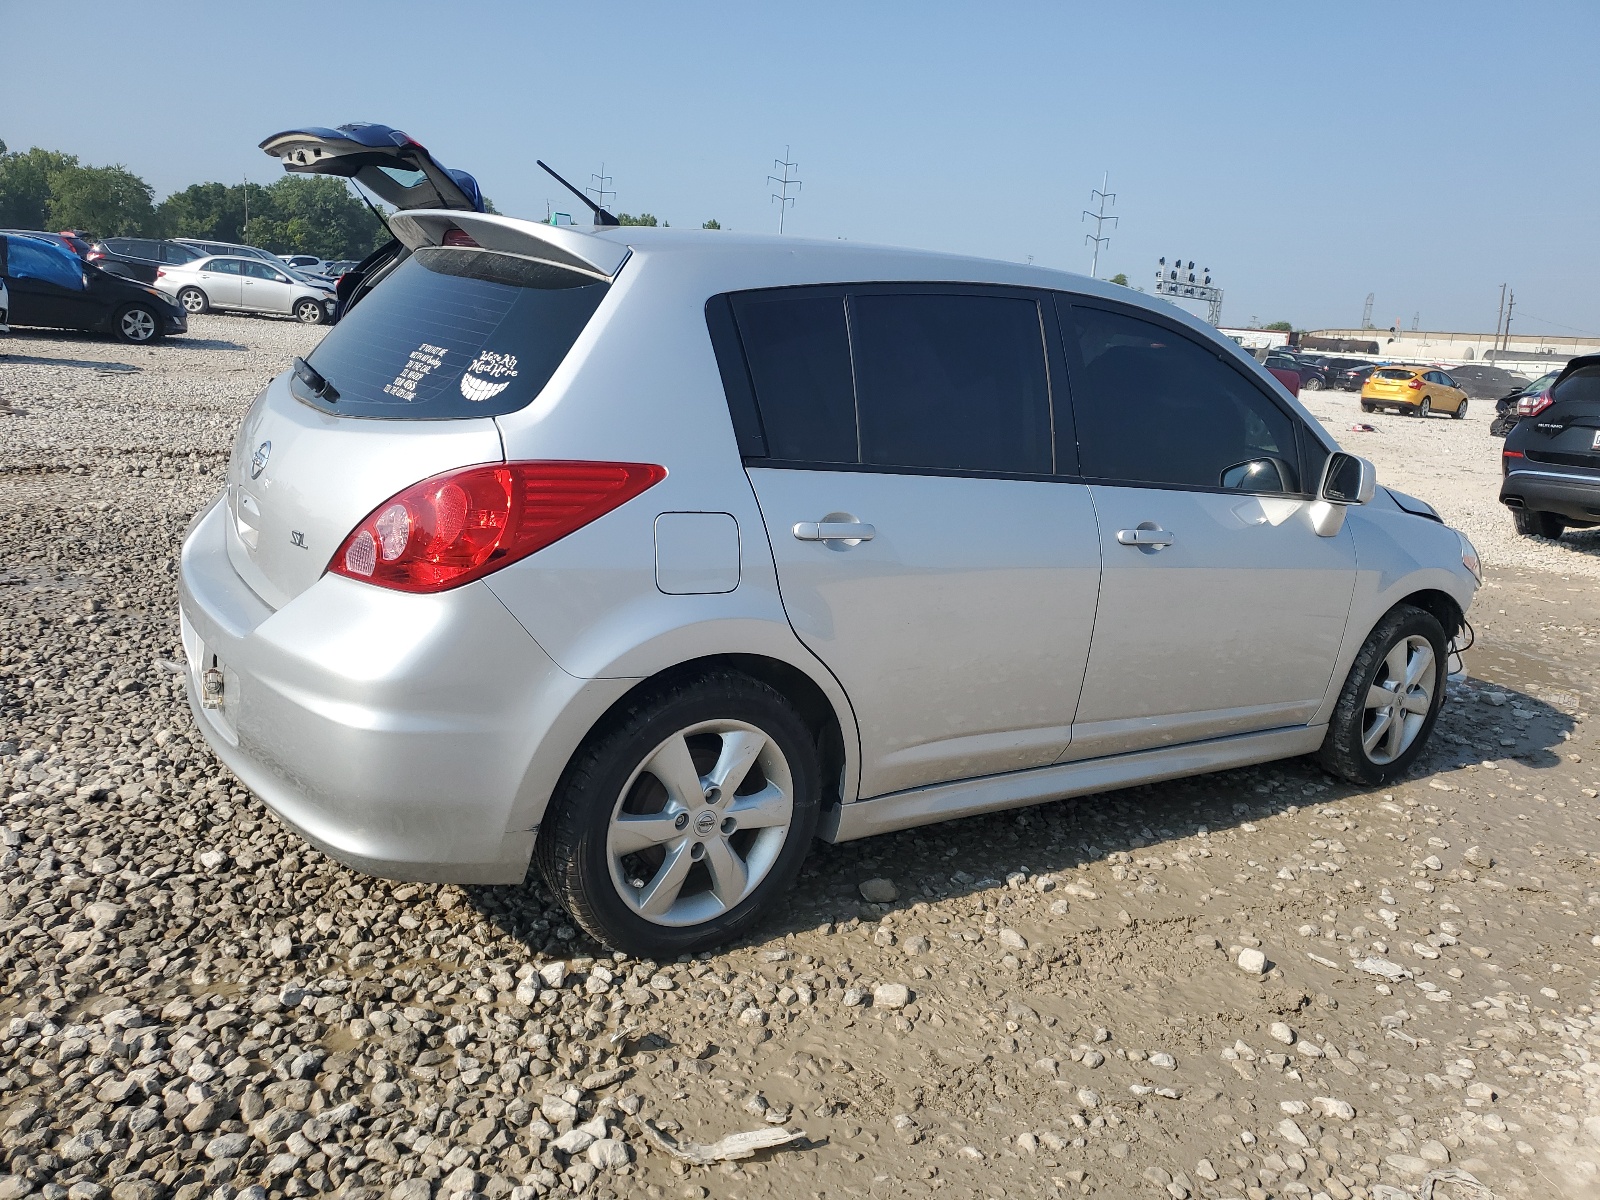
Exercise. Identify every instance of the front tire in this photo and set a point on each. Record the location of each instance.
(1530, 523)
(1460, 413)
(1311, 385)
(194, 301)
(310, 312)
(1390, 700)
(136, 324)
(683, 818)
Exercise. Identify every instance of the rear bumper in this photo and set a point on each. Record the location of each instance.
(394, 732)
(1388, 401)
(1566, 493)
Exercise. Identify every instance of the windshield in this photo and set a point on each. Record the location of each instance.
(454, 333)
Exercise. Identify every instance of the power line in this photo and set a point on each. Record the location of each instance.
(1098, 197)
(785, 201)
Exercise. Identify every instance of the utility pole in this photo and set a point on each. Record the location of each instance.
(1099, 197)
(246, 233)
(1366, 312)
(1511, 303)
(784, 182)
(1500, 316)
(600, 187)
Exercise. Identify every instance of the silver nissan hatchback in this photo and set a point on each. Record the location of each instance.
(648, 556)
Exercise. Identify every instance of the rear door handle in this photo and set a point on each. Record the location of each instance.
(1153, 538)
(834, 531)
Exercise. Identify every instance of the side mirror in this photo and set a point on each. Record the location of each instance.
(1347, 479)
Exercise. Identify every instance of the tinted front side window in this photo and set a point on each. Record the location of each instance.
(1153, 406)
(799, 355)
(455, 333)
(951, 381)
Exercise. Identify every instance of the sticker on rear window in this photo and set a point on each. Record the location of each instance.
(479, 382)
(423, 359)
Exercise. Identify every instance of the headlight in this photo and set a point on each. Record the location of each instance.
(1469, 557)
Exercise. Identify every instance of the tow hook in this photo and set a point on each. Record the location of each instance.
(211, 687)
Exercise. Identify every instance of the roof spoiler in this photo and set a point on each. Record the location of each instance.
(560, 246)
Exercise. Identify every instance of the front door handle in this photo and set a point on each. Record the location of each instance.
(1155, 539)
(834, 531)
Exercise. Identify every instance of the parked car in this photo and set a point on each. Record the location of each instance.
(1351, 379)
(232, 249)
(50, 287)
(1506, 407)
(1418, 391)
(532, 612)
(247, 285)
(1551, 459)
(340, 267)
(305, 264)
(1312, 376)
(78, 240)
(59, 239)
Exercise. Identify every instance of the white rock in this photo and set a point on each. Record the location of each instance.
(609, 1154)
(1013, 939)
(554, 974)
(891, 995)
(1252, 961)
(1164, 1061)
(1279, 1032)
(1293, 1133)
(1338, 1110)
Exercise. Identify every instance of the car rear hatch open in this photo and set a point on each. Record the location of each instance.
(470, 325)
(393, 166)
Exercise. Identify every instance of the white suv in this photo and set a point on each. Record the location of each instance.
(651, 555)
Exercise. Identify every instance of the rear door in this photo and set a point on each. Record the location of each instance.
(222, 279)
(1221, 610)
(927, 550)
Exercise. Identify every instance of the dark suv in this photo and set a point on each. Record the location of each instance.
(1551, 460)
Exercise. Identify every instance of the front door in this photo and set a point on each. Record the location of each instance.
(46, 283)
(925, 550)
(266, 289)
(1221, 610)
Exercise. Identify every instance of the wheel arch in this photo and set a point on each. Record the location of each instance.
(1440, 605)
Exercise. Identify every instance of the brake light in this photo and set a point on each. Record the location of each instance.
(1532, 406)
(455, 236)
(1512, 454)
(464, 524)
(1415, 385)
(160, 273)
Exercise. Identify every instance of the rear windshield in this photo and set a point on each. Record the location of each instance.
(452, 333)
(1582, 385)
(1393, 374)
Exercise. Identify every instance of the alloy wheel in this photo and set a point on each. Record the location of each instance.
(700, 823)
(309, 312)
(193, 302)
(1398, 700)
(138, 325)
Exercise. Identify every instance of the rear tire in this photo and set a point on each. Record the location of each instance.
(310, 312)
(1366, 408)
(1460, 413)
(1530, 523)
(1424, 409)
(194, 301)
(1390, 700)
(643, 848)
(1311, 385)
(137, 324)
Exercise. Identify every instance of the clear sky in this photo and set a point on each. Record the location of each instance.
(1308, 154)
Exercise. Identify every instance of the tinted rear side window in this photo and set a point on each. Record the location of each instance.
(951, 381)
(1153, 406)
(454, 333)
(798, 351)
(1582, 386)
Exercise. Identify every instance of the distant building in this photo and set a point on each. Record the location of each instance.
(1258, 339)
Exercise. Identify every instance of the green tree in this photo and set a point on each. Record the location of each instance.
(712, 224)
(1119, 277)
(25, 185)
(1284, 326)
(105, 201)
(315, 214)
(642, 219)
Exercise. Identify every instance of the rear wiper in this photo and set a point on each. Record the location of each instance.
(315, 381)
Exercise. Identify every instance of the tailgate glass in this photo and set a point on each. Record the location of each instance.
(454, 333)
(1392, 376)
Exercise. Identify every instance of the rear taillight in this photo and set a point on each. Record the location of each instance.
(1415, 385)
(160, 273)
(462, 525)
(455, 236)
(1532, 406)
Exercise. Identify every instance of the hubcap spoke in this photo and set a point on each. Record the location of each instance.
(1417, 701)
(740, 750)
(662, 892)
(729, 879)
(631, 833)
(1420, 666)
(1395, 660)
(674, 767)
(1379, 728)
(1379, 696)
(1397, 735)
(768, 807)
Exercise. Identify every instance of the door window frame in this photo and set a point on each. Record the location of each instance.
(1306, 441)
(738, 385)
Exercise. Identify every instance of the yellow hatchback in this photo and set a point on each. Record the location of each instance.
(1415, 390)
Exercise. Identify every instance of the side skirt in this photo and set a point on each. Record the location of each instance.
(946, 801)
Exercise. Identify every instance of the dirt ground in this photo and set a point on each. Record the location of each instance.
(193, 1003)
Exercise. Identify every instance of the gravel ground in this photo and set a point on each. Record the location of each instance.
(1255, 984)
